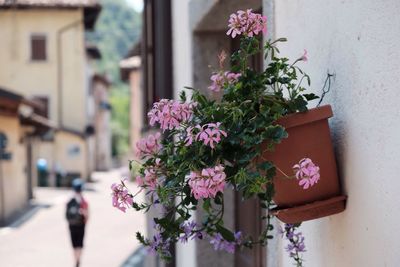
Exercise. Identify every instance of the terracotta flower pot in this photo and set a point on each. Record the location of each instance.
(309, 137)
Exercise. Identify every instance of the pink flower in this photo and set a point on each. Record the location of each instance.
(170, 113)
(304, 57)
(210, 134)
(149, 180)
(149, 146)
(219, 80)
(232, 77)
(189, 136)
(121, 198)
(307, 172)
(246, 23)
(208, 182)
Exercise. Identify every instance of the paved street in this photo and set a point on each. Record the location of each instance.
(43, 239)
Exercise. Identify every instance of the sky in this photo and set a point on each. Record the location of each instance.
(136, 4)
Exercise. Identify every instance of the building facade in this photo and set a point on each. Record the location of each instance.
(20, 128)
(43, 56)
(102, 117)
(131, 72)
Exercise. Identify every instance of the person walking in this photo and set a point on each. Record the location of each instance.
(77, 214)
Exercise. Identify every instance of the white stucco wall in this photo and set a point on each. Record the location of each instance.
(182, 46)
(359, 42)
(12, 172)
(182, 64)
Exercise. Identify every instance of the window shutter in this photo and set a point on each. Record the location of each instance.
(38, 48)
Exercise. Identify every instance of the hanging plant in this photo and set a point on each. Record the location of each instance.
(205, 147)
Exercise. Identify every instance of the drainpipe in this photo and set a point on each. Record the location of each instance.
(2, 200)
(59, 66)
(29, 140)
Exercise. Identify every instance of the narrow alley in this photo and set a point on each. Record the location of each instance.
(41, 237)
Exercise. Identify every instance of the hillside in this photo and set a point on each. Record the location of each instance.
(117, 29)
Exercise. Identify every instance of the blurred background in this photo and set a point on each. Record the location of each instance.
(64, 114)
(77, 78)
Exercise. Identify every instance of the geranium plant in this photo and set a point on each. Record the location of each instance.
(205, 147)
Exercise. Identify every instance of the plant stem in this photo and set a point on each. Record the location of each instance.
(283, 172)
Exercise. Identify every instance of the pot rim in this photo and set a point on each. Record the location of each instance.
(300, 118)
(311, 211)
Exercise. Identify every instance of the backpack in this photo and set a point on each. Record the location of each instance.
(73, 214)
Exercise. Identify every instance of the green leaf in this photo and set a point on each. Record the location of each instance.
(130, 165)
(269, 193)
(182, 96)
(207, 205)
(247, 157)
(141, 238)
(226, 234)
(182, 213)
(218, 199)
(300, 104)
(136, 206)
(310, 97)
(265, 165)
(308, 80)
(283, 39)
(275, 133)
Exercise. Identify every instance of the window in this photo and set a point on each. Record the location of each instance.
(43, 108)
(38, 47)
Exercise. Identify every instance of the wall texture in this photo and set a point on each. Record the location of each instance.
(358, 41)
(136, 108)
(102, 142)
(182, 71)
(71, 152)
(15, 182)
(18, 73)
